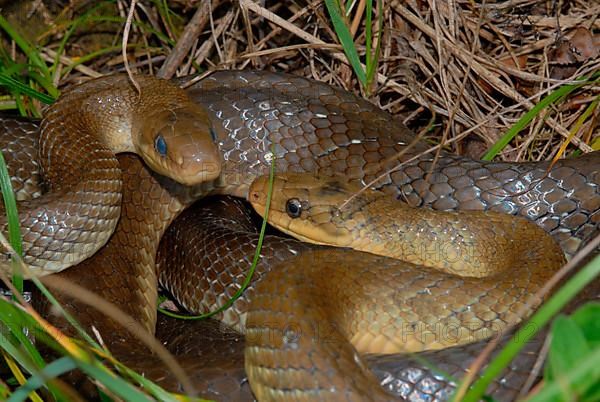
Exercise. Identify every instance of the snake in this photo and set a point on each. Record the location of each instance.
(229, 238)
(256, 117)
(79, 138)
(399, 317)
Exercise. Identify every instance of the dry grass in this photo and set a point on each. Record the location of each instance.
(475, 69)
(460, 72)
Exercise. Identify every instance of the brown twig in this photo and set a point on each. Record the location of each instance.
(124, 46)
(188, 37)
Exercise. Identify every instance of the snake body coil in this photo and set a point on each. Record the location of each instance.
(318, 129)
(79, 137)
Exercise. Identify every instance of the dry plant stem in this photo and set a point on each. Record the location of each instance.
(49, 55)
(291, 47)
(540, 294)
(498, 84)
(124, 45)
(214, 35)
(263, 12)
(338, 55)
(248, 30)
(293, 18)
(188, 37)
(536, 370)
(274, 18)
(125, 320)
(454, 110)
(142, 63)
(565, 22)
(357, 17)
(93, 300)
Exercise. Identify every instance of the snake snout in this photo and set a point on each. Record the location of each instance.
(203, 166)
(257, 194)
(195, 151)
(180, 144)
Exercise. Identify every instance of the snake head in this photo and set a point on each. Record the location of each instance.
(180, 143)
(304, 206)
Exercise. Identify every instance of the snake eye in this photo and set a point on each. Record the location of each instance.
(293, 207)
(160, 145)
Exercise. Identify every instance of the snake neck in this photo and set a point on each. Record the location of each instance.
(79, 137)
(470, 243)
(125, 267)
(85, 128)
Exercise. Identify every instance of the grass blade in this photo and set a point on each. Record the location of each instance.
(18, 86)
(52, 370)
(343, 33)
(255, 260)
(551, 307)
(29, 51)
(372, 60)
(587, 371)
(550, 99)
(117, 385)
(14, 231)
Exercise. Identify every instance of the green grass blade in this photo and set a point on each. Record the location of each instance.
(551, 307)
(117, 385)
(373, 60)
(73, 25)
(343, 33)
(29, 51)
(586, 373)
(14, 231)
(550, 99)
(92, 55)
(568, 346)
(368, 33)
(15, 240)
(18, 354)
(18, 86)
(17, 345)
(70, 319)
(152, 388)
(56, 368)
(587, 318)
(255, 260)
(145, 27)
(16, 320)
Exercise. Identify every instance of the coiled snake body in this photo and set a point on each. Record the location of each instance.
(78, 140)
(319, 129)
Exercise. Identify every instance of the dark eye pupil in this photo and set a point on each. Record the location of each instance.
(293, 207)
(160, 145)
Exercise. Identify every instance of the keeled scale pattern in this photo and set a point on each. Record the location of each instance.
(348, 136)
(317, 128)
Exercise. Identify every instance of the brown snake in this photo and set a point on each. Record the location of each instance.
(79, 137)
(382, 306)
(320, 129)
